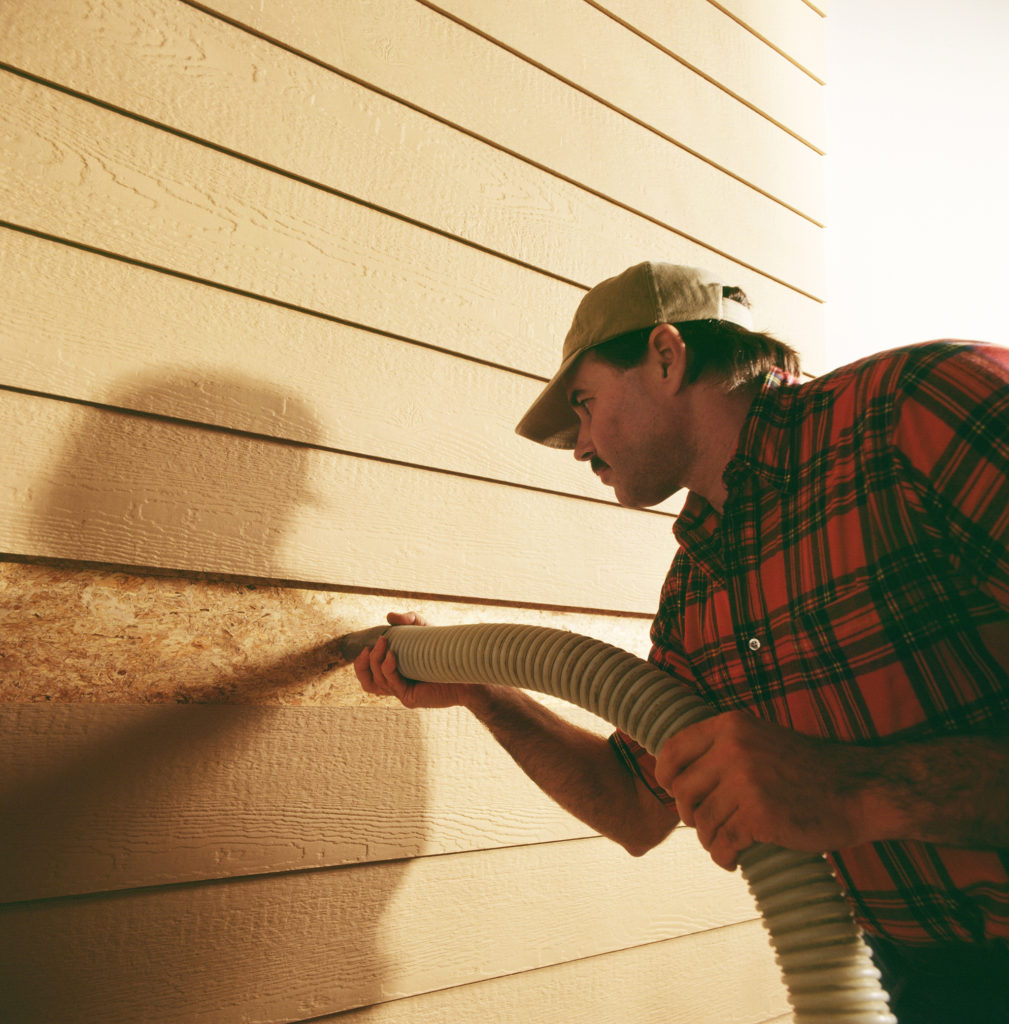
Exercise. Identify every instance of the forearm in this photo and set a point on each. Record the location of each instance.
(952, 791)
(577, 768)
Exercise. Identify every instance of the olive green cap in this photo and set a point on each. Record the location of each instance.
(642, 296)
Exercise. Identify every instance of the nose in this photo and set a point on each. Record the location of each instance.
(583, 444)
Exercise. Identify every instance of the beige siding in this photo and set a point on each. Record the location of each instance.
(276, 281)
(794, 30)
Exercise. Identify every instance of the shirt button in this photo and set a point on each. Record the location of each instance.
(753, 643)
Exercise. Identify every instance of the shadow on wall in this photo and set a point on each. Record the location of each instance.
(274, 811)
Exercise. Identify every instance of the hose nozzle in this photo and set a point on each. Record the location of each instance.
(352, 644)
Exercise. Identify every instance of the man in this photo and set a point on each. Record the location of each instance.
(841, 596)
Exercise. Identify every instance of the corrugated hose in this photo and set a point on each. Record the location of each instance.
(825, 963)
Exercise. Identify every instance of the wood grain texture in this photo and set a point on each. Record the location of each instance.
(112, 797)
(316, 942)
(631, 74)
(285, 849)
(699, 33)
(178, 348)
(546, 122)
(296, 115)
(134, 491)
(142, 56)
(724, 976)
(76, 170)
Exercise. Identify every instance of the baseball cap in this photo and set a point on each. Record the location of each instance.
(642, 296)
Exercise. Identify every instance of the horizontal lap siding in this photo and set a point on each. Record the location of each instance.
(312, 942)
(116, 184)
(548, 123)
(794, 30)
(335, 386)
(132, 490)
(725, 51)
(704, 120)
(347, 137)
(679, 981)
(303, 267)
(321, 787)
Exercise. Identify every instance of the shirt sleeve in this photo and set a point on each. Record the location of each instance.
(639, 762)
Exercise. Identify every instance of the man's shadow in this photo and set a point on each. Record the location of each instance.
(83, 782)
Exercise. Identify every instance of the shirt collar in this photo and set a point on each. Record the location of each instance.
(768, 449)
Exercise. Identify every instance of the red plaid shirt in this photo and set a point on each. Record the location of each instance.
(856, 587)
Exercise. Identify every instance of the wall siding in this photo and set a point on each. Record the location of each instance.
(276, 282)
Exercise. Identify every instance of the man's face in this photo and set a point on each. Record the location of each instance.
(634, 427)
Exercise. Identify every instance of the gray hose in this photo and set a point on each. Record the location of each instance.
(825, 965)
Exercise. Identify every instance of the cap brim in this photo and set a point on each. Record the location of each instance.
(550, 420)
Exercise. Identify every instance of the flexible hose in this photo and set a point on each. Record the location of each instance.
(826, 966)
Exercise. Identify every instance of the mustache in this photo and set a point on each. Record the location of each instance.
(597, 464)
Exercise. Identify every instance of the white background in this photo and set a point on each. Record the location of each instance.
(918, 228)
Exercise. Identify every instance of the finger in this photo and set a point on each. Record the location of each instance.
(390, 671)
(376, 661)
(682, 750)
(405, 619)
(711, 814)
(728, 842)
(362, 669)
(694, 792)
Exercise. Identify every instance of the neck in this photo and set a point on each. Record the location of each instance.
(721, 416)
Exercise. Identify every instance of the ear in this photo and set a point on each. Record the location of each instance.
(668, 350)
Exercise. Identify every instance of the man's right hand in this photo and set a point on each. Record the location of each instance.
(376, 672)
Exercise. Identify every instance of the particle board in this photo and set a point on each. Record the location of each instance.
(72, 634)
(724, 976)
(315, 942)
(545, 122)
(94, 485)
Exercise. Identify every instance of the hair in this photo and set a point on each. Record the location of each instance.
(717, 348)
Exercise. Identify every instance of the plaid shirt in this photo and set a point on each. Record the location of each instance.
(856, 587)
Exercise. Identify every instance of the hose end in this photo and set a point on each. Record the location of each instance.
(352, 644)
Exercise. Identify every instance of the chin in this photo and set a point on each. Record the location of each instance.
(630, 501)
(641, 500)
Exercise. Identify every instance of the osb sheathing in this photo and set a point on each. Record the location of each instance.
(89, 635)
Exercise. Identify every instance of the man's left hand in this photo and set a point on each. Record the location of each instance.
(739, 780)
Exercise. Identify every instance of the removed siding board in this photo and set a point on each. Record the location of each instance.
(76, 635)
(570, 134)
(301, 945)
(134, 491)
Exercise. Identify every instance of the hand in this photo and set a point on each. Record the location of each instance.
(738, 780)
(375, 668)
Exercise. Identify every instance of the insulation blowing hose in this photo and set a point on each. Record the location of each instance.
(825, 964)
